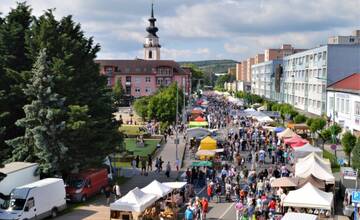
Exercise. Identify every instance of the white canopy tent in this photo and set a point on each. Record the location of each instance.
(175, 185)
(316, 166)
(309, 197)
(197, 132)
(299, 216)
(134, 201)
(287, 133)
(303, 151)
(157, 188)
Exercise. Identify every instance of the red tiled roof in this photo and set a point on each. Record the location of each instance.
(351, 82)
(141, 66)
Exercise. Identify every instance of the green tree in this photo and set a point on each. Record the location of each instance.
(300, 118)
(14, 64)
(348, 142)
(88, 100)
(43, 122)
(316, 126)
(162, 106)
(141, 106)
(356, 154)
(118, 93)
(219, 83)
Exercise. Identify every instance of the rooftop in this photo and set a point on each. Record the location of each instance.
(15, 166)
(350, 84)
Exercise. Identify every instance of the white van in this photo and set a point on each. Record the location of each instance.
(36, 200)
(17, 174)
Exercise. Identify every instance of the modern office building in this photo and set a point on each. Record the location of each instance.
(306, 74)
(343, 103)
(142, 77)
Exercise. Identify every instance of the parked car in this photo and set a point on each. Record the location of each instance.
(16, 174)
(36, 200)
(81, 186)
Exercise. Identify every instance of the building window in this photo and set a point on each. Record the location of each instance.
(159, 81)
(128, 79)
(137, 80)
(337, 104)
(347, 106)
(138, 69)
(127, 70)
(148, 90)
(150, 54)
(331, 103)
(324, 55)
(357, 108)
(318, 104)
(342, 106)
(109, 81)
(147, 79)
(324, 72)
(137, 90)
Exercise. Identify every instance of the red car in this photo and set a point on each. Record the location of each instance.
(81, 186)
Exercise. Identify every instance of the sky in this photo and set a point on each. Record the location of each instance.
(192, 30)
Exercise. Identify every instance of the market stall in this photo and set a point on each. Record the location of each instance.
(158, 189)
(285, 182)
(199, 119)
(196, 124)
(202, 164)
(320, 184)
(279, 129)
(309, 197)
(175, 185)
(299, 216)
(132, 205)
(315, 166)
(287, 133)
(295, 141)
(208, 144)
(305, 150)
(197, 132)
(205, 154)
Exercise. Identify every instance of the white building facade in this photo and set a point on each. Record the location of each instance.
(306, 74)
(263, 80)
(346, 108)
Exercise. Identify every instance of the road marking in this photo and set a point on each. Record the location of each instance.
(200, 191)
(226, 211)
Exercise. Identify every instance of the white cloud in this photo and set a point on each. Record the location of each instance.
(175, 54)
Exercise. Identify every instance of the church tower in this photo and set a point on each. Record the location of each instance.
(152, 46)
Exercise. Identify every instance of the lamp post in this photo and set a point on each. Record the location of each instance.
(176, 122)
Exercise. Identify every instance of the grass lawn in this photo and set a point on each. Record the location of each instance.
(149, 148)
(131, 129)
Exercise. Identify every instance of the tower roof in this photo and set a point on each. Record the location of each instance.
(152, 29)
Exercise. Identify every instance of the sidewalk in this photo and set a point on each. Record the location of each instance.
(97, 210)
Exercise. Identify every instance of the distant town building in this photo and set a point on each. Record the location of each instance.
(232, 71)
(259, 58)
(284, 50)
(249, 62)
(352, 39)
(343, 103)
(142, 77)
(264, 81)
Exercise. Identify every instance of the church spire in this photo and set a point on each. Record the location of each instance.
(151, 45)
(152, 29)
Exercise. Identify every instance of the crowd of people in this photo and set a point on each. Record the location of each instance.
(252, 158)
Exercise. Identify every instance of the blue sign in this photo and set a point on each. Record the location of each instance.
(355, 196)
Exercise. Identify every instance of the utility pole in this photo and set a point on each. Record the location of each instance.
(176, 122)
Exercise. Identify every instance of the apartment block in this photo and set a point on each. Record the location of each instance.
(352, 39)
(284, 50)
(249, 63)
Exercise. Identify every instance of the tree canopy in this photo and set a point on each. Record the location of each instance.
(348, 142)
(90, 130)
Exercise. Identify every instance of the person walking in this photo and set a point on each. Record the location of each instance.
(107, 194)
(239, 209)
(149, 166)
(143, 167)
(133, 164)
(204, 208)
(116, 190)
(209, 192)
(137, 161)
(218, 192)
(189, 215)
(168, 169)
